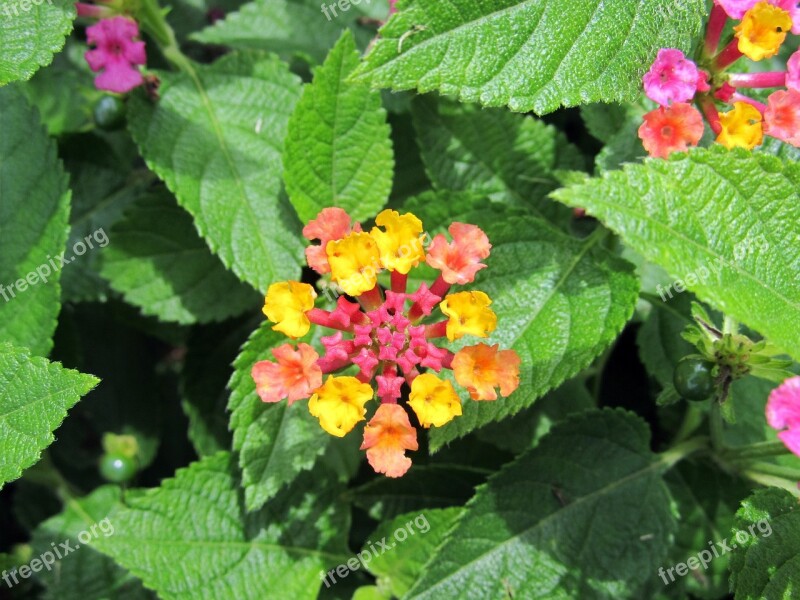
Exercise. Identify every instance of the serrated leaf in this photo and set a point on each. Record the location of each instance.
(223, 551)
(560, 302)
(585, 514)
(338, 149)
(216, 137)
(34, 214)
(160, 264)
(402, 564)
(766, 561)
(35, 396)
(277, 26)
(276, 442)
(507, 157)
(85, 574)
(30, 33)
(531, 55)
(726, 223)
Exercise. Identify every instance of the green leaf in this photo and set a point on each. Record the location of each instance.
(210, 350)
(35, 396)
(493, 152)
(560, 302)
(659, 338)
(30, 33)
(277, 26)
(338, 149)
(216, 549)
(34, 213)
(276, 442)
(85, 574)
(216, 138)
(766, 562)
(532, 55)
(727, 224)
(524, 430)
(160, 264)
(585, 514)
(102, 189)
(402, 564)
(69, 110)
(423, 487)
(707, 499)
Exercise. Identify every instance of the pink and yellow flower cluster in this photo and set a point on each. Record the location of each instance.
(675, 82)
(388, 336)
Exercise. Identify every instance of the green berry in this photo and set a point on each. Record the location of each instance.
(693, 379)
(109, 113)
(117, 468)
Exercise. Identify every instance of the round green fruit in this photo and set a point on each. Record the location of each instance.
(117, 468)
(693, 379)
(109, 113)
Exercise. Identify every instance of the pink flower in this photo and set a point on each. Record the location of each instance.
(782, 117)
(783, 413)
(737, 8)
(672, 129)
(392, 6)
(673, 78)
(117, 53)
(793, 71)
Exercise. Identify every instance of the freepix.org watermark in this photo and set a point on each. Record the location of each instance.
(703, 273)
(14, 9)
(705, 557)
(58, 552)
(51, 266)
(401, 534)
(343, 5)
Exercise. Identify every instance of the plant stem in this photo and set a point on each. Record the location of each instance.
(760, 450)
(729, 55)
(757, 80)
(692, 419)
(680, 451)
(772, 481)
(766, 468)
(716, 25)
(716, 427)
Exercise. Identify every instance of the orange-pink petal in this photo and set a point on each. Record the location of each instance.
(671, 129)
(331, 224)
(460, 259)
(386, 438)
(295, 375)
(482, 368)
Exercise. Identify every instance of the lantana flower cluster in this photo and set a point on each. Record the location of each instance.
(117, 50)
(676, 83)
(389, 336)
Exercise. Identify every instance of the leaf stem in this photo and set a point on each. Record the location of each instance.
(716, 427)
(760, 450)
(692, 419)
(791, 473)
(772, 481)
(677, 453)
